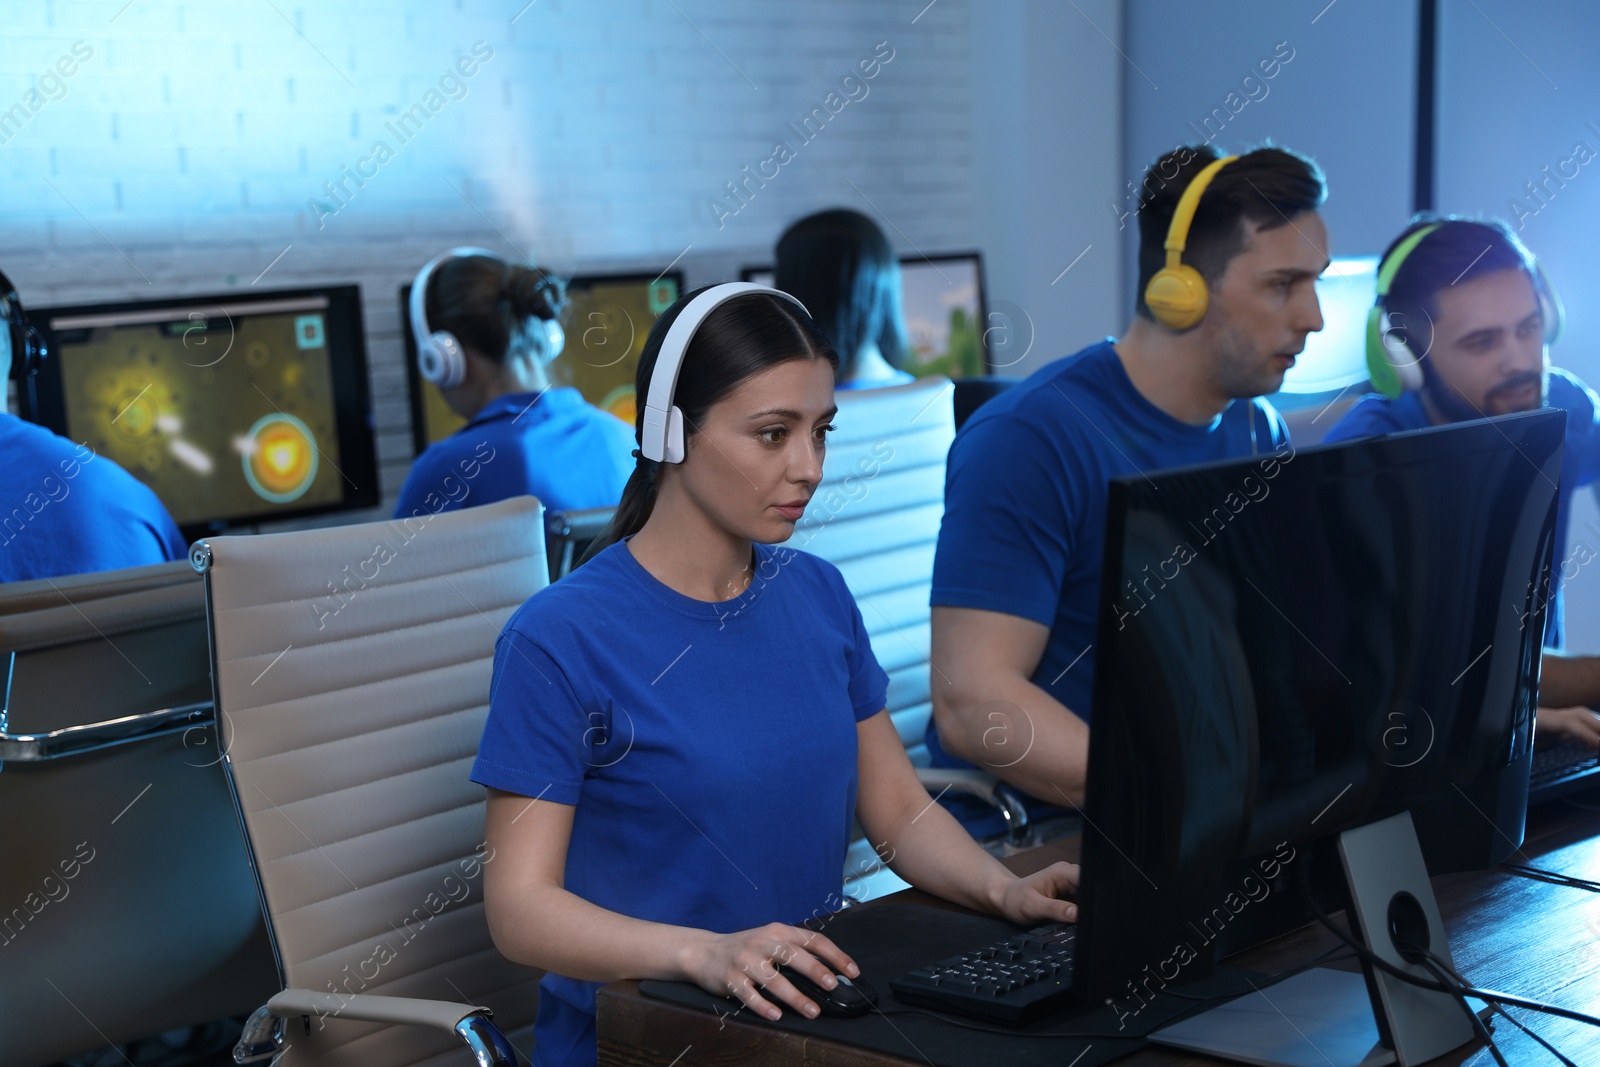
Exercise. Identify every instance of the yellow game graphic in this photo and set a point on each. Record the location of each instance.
(221, 415)
(280, 458)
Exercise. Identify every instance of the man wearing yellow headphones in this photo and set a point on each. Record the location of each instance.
(1229, 252)
(1461, 330)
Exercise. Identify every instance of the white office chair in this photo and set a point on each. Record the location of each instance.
(352, 669)
(875, 516)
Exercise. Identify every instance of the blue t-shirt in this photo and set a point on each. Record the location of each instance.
(1025, 507)
(553, 445)
(65, 510)
(709, 748)
(1373, 415)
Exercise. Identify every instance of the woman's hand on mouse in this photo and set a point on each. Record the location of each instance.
(745, 964)
(1037, 897)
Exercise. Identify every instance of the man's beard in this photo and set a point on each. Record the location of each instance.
(1457, 408)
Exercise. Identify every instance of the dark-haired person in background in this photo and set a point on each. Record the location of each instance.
(63, 509)
(1016, 581)
(838, 263)
(681, 733)
(1470, 318)
(501, 322)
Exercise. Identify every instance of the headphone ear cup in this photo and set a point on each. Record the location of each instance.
(441, 361)
(674, 451)
(1550, 307)
(1177, 297)
(1391, 364)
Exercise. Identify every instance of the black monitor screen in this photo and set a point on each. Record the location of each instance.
(607, 319)
(1297, 644)
(235, 409)
(943, 301)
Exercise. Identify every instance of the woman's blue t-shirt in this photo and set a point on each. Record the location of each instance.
(709, 748)
(554, 445)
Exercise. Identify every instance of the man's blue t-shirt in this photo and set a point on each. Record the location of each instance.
(1026, 488)
(1373, 415)
(65, 510)
(709, 748)
(553, 445)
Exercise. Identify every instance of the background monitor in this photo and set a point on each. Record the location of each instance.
(945, 312)
(1299, 644)
(236, 409)
(1336, 356)
(607, 319)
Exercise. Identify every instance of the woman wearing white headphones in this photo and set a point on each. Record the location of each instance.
(681, 733)
(485, 331)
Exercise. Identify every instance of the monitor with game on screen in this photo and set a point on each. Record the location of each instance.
(942, 298)
(607, 318)
(236, 409)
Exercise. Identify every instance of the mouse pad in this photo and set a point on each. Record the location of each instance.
(888, 940)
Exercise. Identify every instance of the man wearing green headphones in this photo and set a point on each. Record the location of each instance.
(1461, 330)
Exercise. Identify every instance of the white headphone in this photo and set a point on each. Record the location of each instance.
(661, 438)
(440, 357)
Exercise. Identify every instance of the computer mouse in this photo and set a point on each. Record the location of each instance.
(850, 998)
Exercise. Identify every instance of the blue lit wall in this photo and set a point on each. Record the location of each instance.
(151, 148)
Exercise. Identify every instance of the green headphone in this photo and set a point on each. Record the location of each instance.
(1391, 364)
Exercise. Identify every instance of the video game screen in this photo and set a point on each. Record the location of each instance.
(607, 319)
(229, 409)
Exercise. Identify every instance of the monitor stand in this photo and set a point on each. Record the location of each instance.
(1327, 1018)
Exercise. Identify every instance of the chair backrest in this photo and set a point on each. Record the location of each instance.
(876, 516)
(568, 534)
(352, 671)
(128, 892)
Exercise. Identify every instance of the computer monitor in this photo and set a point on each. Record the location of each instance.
(945, 312)
(607, 319)
(1294, 645)
(237, 408)
(1335, 357)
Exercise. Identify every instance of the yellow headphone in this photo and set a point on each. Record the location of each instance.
(1177, 295)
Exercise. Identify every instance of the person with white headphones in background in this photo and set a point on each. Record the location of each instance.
(1461, 329)
(486, 330)
(682, 732)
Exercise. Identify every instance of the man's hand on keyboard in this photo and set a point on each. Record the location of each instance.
(1573, 724)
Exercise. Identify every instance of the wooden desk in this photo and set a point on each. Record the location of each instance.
(1507, 933)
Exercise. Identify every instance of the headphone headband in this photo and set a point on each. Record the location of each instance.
(1391, 266)
(1188, 204)
(661, 435)
(1176, 294)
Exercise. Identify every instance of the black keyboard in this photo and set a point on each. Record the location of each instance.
(1560, 769)
(1015, 981)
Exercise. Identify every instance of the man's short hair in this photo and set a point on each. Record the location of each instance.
(1458, 251)
(1267, 186)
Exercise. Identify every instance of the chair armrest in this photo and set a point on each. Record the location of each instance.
(263, 1034)
(985, 787)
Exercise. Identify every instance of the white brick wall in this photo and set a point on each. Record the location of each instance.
(184, 150)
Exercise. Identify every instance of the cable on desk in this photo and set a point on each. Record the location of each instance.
(1461, 998)
(1539, 874)
(1405, 976)
(1500, 1010)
